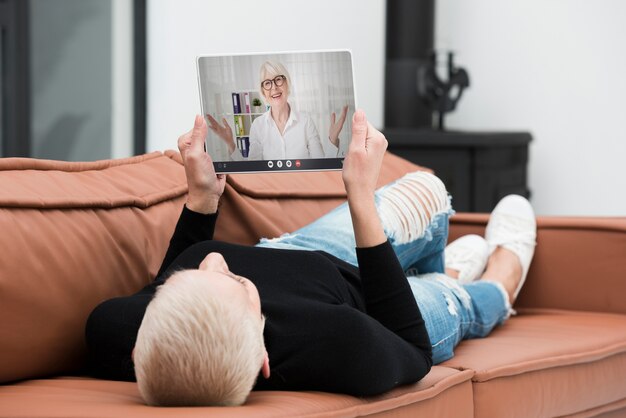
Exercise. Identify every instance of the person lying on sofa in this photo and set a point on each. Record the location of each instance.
(326, 308)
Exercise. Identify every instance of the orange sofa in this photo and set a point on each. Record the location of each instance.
(74, 234)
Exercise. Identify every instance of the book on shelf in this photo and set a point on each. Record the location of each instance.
(236, 125)
(239, 127)
(245, 146)
(236, 103)
(246, 101)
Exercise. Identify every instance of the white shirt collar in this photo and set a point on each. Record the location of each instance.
(293, 118)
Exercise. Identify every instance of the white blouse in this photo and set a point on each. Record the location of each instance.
(299, 140)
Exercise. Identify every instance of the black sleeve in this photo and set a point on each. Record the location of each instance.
(388, 296)
(357, 355)
(191, 228)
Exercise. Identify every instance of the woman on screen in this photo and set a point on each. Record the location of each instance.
(281, 132)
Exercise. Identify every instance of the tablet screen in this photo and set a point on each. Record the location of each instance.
(277, 111)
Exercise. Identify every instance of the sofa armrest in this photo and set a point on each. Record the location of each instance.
(579, 263)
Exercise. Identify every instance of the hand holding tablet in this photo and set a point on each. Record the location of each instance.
(277, 112)
(205, 187)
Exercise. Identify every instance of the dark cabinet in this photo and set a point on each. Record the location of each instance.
(477, 168)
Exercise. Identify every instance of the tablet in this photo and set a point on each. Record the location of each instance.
(277, 112)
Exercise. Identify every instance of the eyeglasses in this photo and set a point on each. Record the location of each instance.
(278, 81)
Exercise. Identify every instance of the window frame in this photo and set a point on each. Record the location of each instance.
(15, 78)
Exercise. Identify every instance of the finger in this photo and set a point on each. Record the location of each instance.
(212, 120)
(225, 122)
(183, 141)
(221, 179)
(359, 129)
(342, 119)
(375, 137)
(344, 114)
(198, 134)
(332, 118)
(372, 132)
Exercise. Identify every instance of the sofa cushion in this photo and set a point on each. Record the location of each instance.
(74, 234)
(547, 363)
(443, 392)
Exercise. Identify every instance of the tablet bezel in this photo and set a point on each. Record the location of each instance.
(279, 165)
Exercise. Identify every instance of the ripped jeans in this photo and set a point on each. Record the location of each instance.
(414, 212)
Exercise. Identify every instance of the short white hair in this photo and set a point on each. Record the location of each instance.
(270, 69)
(193, 348)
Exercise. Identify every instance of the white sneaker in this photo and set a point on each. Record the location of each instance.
(512, 225)
(468, 255)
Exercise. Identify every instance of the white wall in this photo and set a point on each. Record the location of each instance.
(556, 68)
(180, 30)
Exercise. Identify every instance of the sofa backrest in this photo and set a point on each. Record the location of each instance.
(268, 205)
(75, 234)
(579, 262)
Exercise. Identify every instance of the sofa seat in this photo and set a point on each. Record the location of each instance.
(548, 363)
(444, 392)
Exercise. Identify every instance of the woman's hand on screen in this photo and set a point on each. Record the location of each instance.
(336, 125)
(223, 130)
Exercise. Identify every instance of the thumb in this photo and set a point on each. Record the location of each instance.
(359, 129)
(198, 134)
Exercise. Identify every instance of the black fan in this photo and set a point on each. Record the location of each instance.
(439, 95)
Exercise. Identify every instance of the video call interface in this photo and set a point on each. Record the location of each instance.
(277, 111)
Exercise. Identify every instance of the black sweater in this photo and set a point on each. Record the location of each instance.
(329, 326)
